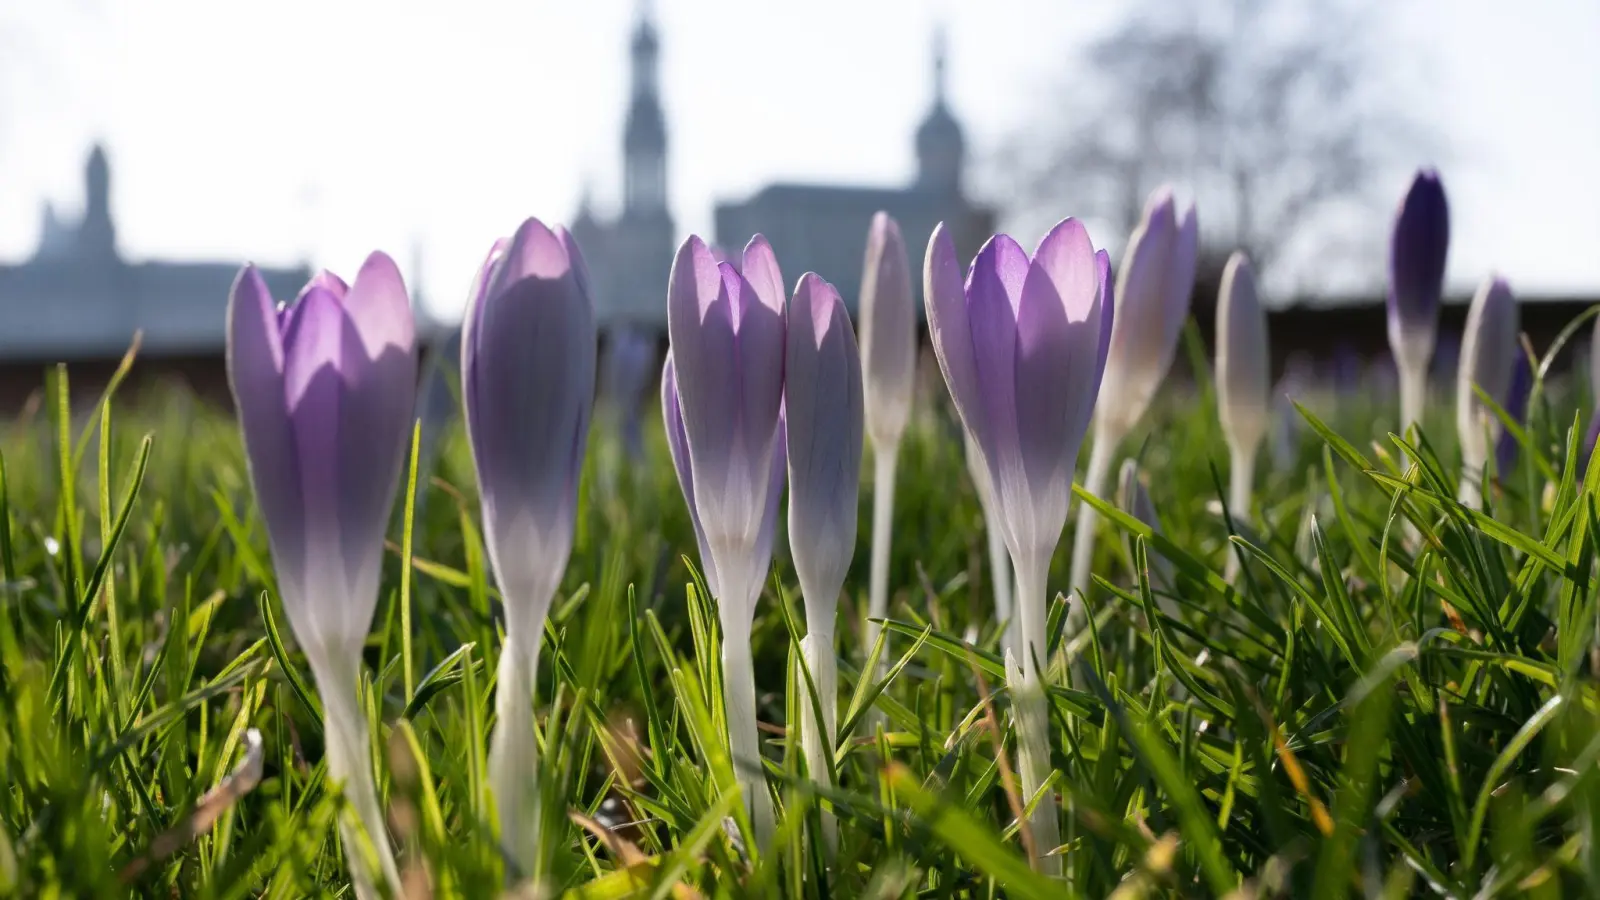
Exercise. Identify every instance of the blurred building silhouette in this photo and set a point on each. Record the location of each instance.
(629, 257)
(79, 299)
(822, 228)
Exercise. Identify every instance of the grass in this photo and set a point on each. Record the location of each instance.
(1361, 713)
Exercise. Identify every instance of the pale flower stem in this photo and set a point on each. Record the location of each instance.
(744, 740)
(348, 748)
(1471, 495)
(1094, 482)
(1413, 396)
(1241, 483)
(817, 736)
(1413, 399)
(514, 751)
(1032, 713)
(885, 460)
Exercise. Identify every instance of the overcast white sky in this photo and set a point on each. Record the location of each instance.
(320, 129)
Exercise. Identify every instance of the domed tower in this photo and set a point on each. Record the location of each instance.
(941, 146)
(644, 141)
(97, 235)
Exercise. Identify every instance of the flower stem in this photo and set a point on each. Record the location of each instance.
(1094, 482)
(348, 748)
(1241, 484)
(884, 464)
(817, 735)
(1032, 713)
(744, 740)
(1413, 395)
(514, 750)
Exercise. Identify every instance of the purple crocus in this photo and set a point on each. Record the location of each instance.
(1154, 284)
(1418, 247)
(1023, 345)
(822, 395)
(325, 390)
(527, 374)
(1489, 351)
(726, 327)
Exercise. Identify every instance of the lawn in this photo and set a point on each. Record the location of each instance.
(1396, 697)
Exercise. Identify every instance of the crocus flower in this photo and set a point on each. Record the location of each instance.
(1153, 287)
(1516, 406)
(1489, 353)
(1022, 345)
(1417, 251)
(527, 377)
(727, 336)
(822, 396)
(889, 366)
(1244, 379)
(999, 560)
(325, 391)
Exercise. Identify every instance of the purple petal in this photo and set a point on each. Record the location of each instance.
(678, 446)
(379, 308)
(1108, 310)
(994, 292)
(1057, 355)
(1418, 247)
(470, 319)
(945, 299)
(888, 330)
(327, 281)
(760, 269)
(823, 403)
(255, 375)
(320, 345)
(1180, 277)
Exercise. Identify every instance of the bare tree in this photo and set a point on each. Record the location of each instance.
(1276, 116)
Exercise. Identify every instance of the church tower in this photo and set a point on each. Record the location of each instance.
(941, 147)
(97, 235)
(644, 141)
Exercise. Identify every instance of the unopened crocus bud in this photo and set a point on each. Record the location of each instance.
(1418, 246)
(527, 377)
(889, 368)
(888, 333)
(726, 328)
(1022, 345)
(822, 397)
(1154, 283)
(1516, 406)
(1244, 378)
(1488, 355)
(325, 390)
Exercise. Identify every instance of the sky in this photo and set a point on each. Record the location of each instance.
(319, 130)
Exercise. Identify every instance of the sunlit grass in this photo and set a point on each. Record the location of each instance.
(1355, 714)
